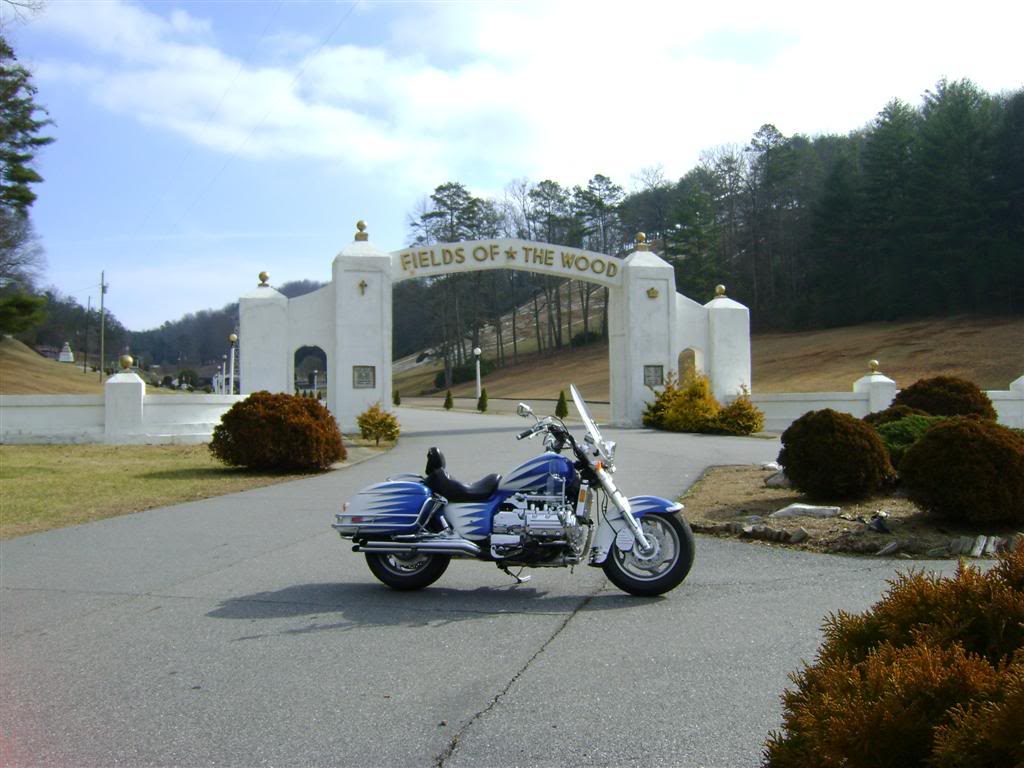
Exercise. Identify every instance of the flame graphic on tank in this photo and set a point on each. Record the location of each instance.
(533, 474)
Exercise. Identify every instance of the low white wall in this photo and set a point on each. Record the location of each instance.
(84, 419)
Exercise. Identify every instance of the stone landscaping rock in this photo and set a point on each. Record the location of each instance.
(777, 480)
(805, 510)
(938, 552)
(772, 465)
(979, 546)
(888, 549)
(799, 535)
(990, 545)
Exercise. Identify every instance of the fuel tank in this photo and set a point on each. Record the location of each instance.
(543, 474)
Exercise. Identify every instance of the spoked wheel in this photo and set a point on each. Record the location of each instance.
(660, 570)
(407, 571)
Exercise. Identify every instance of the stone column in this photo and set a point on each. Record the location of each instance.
(728, 346)
(123, 395)
(263, 340)
(361, 363)
(641, 331)
(880, 388)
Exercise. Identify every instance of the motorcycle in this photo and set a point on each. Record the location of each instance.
(550, 511)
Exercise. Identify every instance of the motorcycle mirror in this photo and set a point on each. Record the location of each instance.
(524, 410)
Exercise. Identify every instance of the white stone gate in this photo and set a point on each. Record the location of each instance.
(649, 324)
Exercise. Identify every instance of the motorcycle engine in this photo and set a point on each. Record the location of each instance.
(529, 521)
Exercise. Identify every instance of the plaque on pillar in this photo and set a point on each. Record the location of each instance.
(364, 377)
(654, 375)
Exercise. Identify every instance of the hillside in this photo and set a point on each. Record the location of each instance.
(23, 371)
(988, 351)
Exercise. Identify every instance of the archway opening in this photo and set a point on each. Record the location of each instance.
(311, 372)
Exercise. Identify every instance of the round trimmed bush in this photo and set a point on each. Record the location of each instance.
(278, 432)
(946, 396)
(377, 424)
(892, 413)
(827, 454)
(899, 435)
(740, 417)
(967, 469)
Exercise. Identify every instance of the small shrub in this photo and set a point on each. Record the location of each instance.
(654, 411)
(685, 405)
(933, 674)
(827, 454)
(967, 469)
(899, 435)
(740, 417)
(583, 338)
(397, 399)
(481, 404)
(448, 402)
(946, 396)
(561, 407)
(892, 413)
(278, 432)
(377, 424)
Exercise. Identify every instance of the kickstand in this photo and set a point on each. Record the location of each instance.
(519, 579)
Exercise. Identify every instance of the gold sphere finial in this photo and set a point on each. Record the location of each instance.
(263, 280)
(873, 365)
(233, 338)
(361, 236)
(641, 241)
(126, 362)
(719, 290)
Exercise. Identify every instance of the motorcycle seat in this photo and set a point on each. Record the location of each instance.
(443, 484)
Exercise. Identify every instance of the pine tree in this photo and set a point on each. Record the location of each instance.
(561, 408)
(448, 402)
(481, 404)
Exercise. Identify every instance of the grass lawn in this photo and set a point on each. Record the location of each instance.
(51, 486)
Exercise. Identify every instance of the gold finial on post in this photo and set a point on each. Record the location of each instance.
(263, 280)
(719, 291)
(361, 236)
(873, 365)
(641, 242)
(126, 362)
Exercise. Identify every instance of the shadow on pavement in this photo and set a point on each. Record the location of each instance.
(335, 606)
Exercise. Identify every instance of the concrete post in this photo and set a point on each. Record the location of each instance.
(123, 395)
(880, 388)
(263, 340)
(361, 366)
(728, 346)
(641, 331)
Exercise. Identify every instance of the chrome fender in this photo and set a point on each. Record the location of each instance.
(611, 525)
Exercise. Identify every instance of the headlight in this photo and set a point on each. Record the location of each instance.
(609, 450)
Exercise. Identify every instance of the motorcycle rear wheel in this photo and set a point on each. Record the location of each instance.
(661, 571)
(407, 572)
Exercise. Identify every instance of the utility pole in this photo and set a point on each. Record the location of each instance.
(103, 292)
(85, 345)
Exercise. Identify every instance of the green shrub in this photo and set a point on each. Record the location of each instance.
(740, 417)
(278, 432)
(685, 405)
(448, 402)
(397, 399)
(377, 424)
(892, 413)
(899, 435)
(946, 396)
(561, 407)
(481, 403)
(583, 338)
(827, 454)
(932, 675)
(967, 469)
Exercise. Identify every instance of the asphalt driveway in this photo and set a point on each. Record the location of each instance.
(241, 631)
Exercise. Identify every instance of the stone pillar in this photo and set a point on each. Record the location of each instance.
(728, 346)
(361, 362)
(123, 395)
(880, 388)
(263, 340)
(641, 331)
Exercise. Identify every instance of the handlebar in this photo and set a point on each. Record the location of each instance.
(524, 433)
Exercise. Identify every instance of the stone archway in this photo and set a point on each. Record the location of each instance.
(309, 371)
(648, 322)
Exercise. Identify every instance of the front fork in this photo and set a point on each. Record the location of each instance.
(622, 503)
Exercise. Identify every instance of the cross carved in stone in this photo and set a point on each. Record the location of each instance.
(362, 287)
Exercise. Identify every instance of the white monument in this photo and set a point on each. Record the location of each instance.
(349, 320)
(66, 355)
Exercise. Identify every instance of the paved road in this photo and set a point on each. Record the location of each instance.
(240, 632)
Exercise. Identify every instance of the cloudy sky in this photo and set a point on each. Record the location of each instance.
(198, 143)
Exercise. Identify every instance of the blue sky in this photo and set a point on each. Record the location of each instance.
(198, 143)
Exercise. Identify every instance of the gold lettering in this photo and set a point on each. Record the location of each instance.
(612, 269)
(423, 257)
(494, 251)
(480, 253)
(568, 259)
(549, 257)
(598, 263)
(407, 261)
(582, 262)
(447, 256)
(460, 255)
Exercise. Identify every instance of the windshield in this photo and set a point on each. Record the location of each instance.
(588, 422)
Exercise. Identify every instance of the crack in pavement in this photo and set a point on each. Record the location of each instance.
(453, 745)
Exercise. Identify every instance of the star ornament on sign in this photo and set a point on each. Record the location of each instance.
(510, 254)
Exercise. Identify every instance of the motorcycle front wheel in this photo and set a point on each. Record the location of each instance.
(407, 572)
(661, 570)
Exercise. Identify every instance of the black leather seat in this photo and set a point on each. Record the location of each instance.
(440, 482)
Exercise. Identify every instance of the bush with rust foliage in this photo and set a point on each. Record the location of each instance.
(827, 454)
(932, 675)
(967, 469)
(892, 413)
(377, 424)
(278, 432)
(946, 396)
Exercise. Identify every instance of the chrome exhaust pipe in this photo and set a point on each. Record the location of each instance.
(434, 547)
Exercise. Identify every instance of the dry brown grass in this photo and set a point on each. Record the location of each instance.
(25, 372)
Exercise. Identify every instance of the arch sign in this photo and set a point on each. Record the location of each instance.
(649, 324)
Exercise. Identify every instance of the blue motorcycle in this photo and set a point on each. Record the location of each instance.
(551, 511)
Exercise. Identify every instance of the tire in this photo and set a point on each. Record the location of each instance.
(665, 569)
(407, 572)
